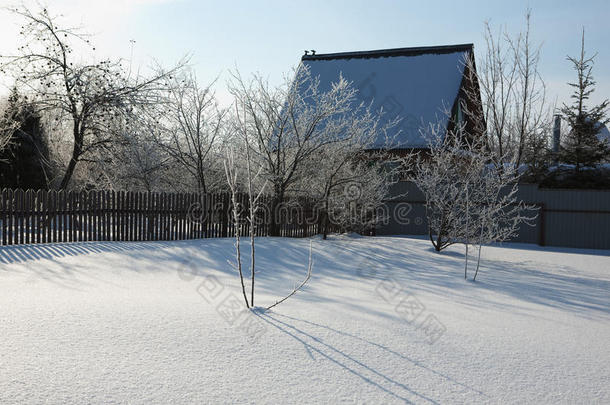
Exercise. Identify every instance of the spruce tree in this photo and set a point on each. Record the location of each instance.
(583, 147)
(24, 163)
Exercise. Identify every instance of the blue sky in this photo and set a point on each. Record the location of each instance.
(269, 36)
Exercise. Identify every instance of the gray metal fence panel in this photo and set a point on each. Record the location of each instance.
(567, 217)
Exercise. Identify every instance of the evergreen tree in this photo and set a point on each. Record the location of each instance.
(583, 147)
(24, 163)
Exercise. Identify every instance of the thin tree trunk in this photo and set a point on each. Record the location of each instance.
(432, 238)
(252, 214)
(325, 219)
(237, 248)
(439, 237)
(478, 263)
(479, 258)
(467, 220)
(274, 229)
(466, 263)
(252, 257)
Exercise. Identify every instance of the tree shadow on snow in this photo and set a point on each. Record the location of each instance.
(369, 375)
(23, 253)
(282, 262)
(385, 349)
(418, 268)
(316, 345)
(147, 257)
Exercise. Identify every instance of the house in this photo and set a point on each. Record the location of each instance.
(603, 134)
(417, 85)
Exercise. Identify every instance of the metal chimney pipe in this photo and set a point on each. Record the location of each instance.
(556, 133)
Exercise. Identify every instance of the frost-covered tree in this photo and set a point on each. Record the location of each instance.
(6, 131)
(490, 210)
(441, 174)
(349, 190)
(495, 212)
(582, 146)
(232, 172)
(133, 161)
(250, 173)
(469, 199)
(348, 179)
(288, 124)
(88, 96)
(242, 180)
(192, 125)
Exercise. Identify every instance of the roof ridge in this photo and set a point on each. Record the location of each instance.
(413, 51)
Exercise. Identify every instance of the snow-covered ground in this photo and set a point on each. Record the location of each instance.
(383, 320)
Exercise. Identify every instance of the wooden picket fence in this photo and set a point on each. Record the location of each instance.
(50, 216)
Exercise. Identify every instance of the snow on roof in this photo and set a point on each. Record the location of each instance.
(415, 84)
(603, 133)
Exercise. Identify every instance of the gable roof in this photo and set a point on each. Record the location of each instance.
(603, 134)
(415, 84)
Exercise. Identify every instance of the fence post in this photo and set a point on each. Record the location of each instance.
(225, 215)
(3, 212)
(541, 224)
(90, 215)
(106, 215)
(71, 219)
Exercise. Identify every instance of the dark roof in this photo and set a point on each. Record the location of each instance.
(380, 53)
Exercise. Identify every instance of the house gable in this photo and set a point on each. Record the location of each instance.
(417, 85)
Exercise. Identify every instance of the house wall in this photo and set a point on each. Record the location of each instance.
(568, 218)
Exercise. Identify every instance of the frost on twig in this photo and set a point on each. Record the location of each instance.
(232, 180)
(300, 286)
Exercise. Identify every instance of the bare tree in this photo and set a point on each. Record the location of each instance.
(513, 93)
(8, 125)
(89, 96)
(241, 176)
(471, 193)
(232, 175)
(193, 124)
(5, 137)
(134, 161)
(441, 175)
(353, 197)
(349, 178)
(532, 113)
(254, 195)
(288, 124)
(496, 212)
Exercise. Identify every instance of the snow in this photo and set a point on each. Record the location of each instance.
(604, 134)
(415, 88)
(134, 322)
